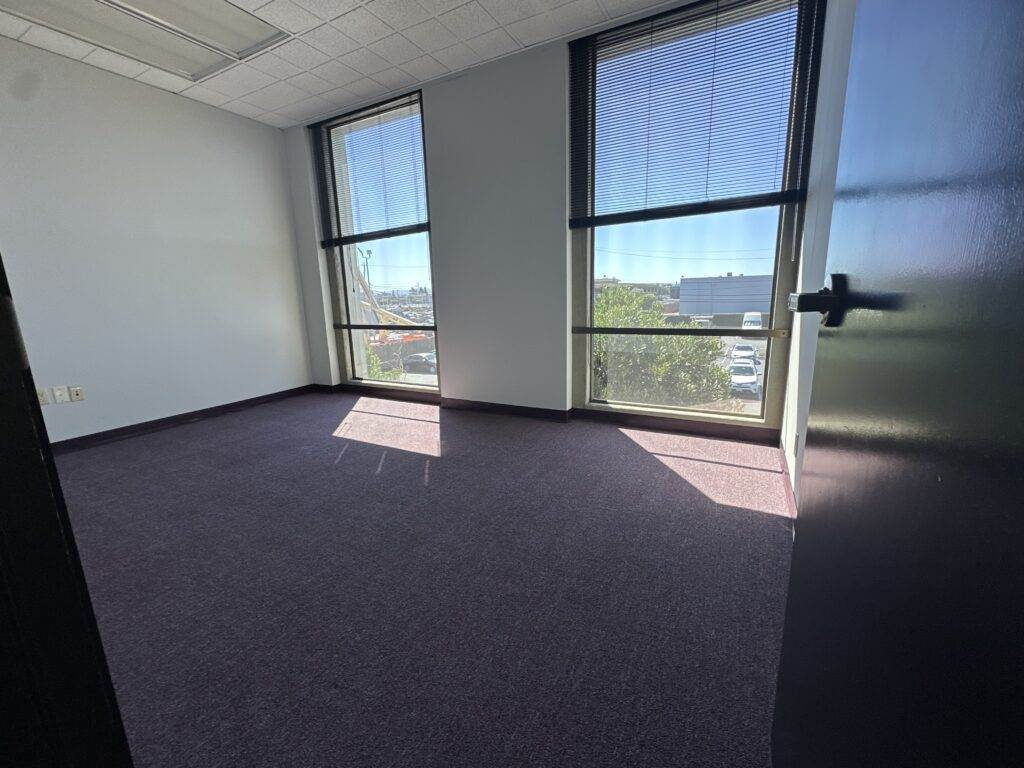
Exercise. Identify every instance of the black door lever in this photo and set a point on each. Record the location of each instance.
(831, 302)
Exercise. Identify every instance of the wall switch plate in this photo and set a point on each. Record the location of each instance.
(76, 392)
(61, 394)
(44, 396)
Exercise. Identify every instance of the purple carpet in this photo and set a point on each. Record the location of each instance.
(330, 580)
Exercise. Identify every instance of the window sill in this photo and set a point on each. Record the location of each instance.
(751, 429)
(681, 414)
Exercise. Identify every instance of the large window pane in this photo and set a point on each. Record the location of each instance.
(704, 373)
(402, 357)
(388, 281)
(372, 183)
(696, 109)
(693, 106)
(379, 171)
(713, 271)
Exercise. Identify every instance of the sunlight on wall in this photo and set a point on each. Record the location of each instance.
(412, 427)
(728, 473)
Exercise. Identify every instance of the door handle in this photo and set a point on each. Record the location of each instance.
(831, 301)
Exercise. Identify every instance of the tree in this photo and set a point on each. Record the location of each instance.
(375, 368)
(667, 370)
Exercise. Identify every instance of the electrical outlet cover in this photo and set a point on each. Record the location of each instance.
(77, 393)
(61, 394)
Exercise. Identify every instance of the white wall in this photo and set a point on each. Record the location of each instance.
(149, 244)
(496, 144)
(835, 63)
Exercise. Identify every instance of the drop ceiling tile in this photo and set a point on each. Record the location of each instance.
(425, 68)
(440, 6)
(57, 42)
(275, 96)
(286, 15)
(622, 7)
(396, 49)
(205, 95)
(164, 80)
(249, 5)
(457, 57)
(365, 88)
(306, 109)
(400, 14)
(115, 62)
(274, 66)
(577, 15)
(493, 44)
(303, 56)
(508, 11)
(364, 60)
(243, 109)
(339, 97)
(278, 121)
(310, 83)
(468, 21)
(12, 26)
(337, 73)
(534, 30)
(238, 81)
(394, 78)
(328, 9)
(363, 26)
(330, 40)
(365, 48)
(431, 35)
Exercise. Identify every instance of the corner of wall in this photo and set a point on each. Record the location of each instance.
(311, 259)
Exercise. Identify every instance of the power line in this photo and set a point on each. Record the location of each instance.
(688, 258)
(710, 250)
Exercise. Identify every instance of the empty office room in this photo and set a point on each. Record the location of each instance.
(492, 383)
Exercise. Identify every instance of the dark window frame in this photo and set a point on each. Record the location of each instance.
(790, 198)
(334, 240)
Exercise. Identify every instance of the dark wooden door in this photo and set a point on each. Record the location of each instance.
(904, 627)
(57, 704)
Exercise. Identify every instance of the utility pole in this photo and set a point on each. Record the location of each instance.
(366, 264)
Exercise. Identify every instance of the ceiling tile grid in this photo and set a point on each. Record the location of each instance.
(342, 54)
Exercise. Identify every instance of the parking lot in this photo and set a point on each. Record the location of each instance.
(747, 404)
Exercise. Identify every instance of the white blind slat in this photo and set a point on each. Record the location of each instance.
(688, 107)
(379, 171)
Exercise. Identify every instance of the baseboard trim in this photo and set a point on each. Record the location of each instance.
(145, 427)
(549, 414)
(738, 432)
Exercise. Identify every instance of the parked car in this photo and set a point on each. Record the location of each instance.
(744, 352)
(743, 379)
(752, 321)
(421, 362)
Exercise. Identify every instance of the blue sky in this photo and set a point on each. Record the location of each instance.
(705, 154)
(741, 242)
(662, 251)
(397, 263)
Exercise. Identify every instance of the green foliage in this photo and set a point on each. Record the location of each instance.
(663, 370)
(375, 368)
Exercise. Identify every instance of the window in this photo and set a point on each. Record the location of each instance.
(689, 147)
(373, 202)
